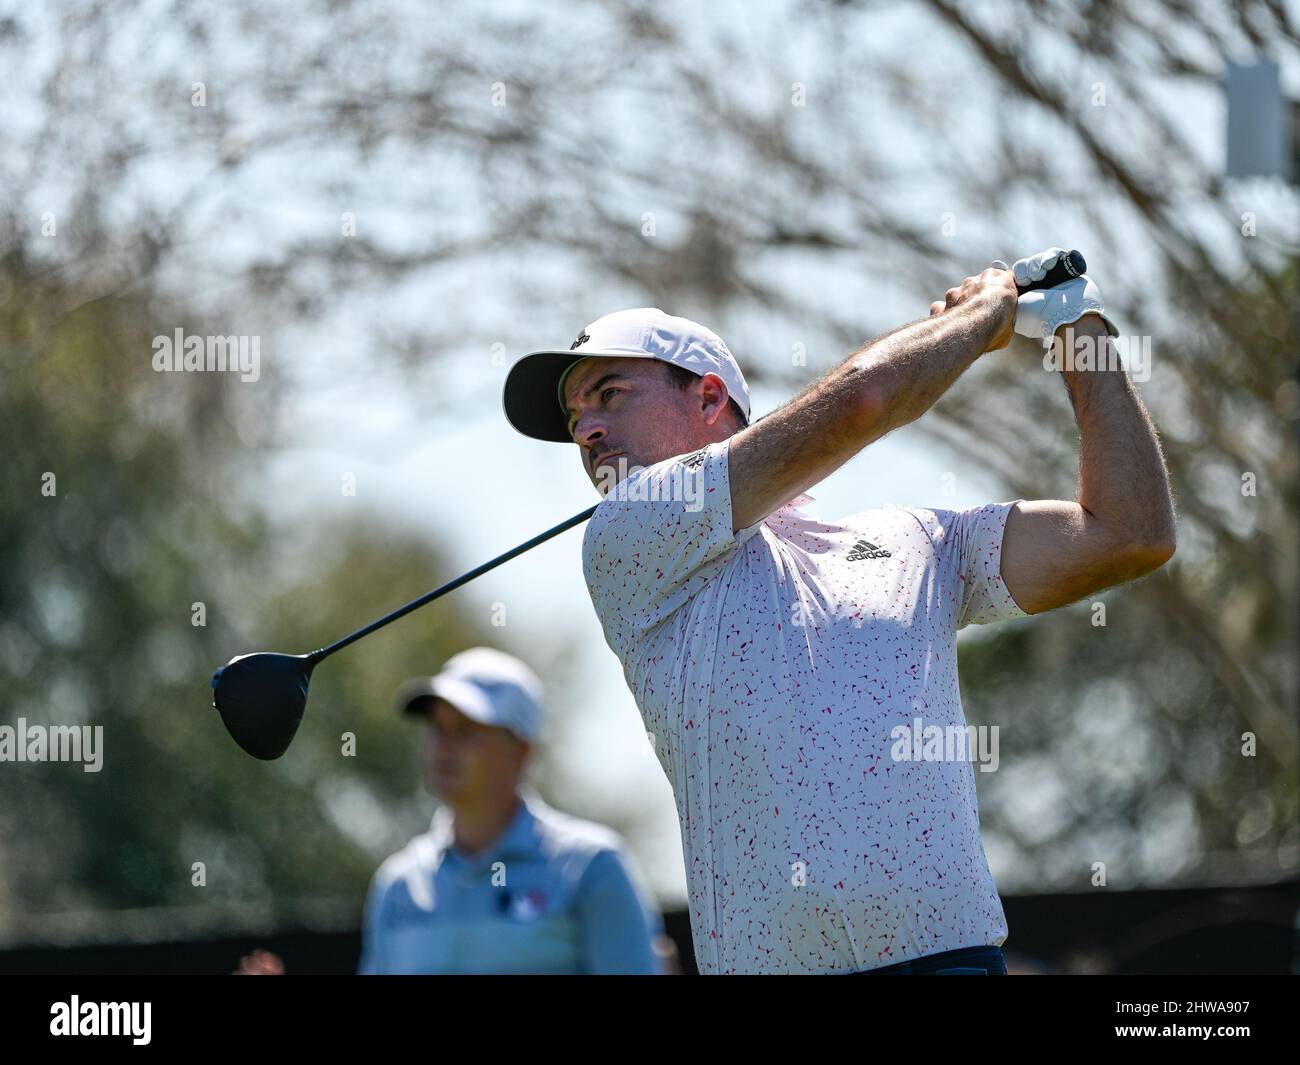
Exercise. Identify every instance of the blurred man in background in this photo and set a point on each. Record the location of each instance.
(500, 883)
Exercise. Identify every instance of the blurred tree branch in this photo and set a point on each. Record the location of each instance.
(638, 154)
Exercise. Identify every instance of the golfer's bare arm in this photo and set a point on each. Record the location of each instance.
(890, 382)
(1054, 552)
(1122, 526)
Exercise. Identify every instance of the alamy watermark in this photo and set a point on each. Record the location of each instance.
(919, 742)
(53, 743)
(194, 354)
(682, 482)
(79, 1018)
(1130, 353)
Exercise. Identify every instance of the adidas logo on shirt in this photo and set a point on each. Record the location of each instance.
(866, 549)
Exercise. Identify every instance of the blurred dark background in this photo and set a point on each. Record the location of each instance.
(1248, 930)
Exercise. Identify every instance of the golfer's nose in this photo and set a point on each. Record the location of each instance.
(588, 431)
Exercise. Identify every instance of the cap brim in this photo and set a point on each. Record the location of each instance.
(465, 697)
(531, 403)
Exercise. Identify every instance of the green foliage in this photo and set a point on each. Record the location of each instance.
(98, 584)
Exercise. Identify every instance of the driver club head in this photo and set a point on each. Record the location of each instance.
(261, 698)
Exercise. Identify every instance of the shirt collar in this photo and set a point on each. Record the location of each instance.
(518, 840)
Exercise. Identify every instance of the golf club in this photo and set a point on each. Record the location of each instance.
(261, 697)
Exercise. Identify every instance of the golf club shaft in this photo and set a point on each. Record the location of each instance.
(450, 586)
(1070, 265)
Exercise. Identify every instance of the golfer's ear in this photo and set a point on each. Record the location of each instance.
(714, 395)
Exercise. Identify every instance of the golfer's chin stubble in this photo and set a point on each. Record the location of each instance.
(607, 475)
(661, 432)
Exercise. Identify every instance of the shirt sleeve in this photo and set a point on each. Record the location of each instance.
(656, 539)
(617, 921)
(968, 544)
(372, 945)
(975, 538)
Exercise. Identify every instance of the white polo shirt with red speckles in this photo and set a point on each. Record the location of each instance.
(773, 667)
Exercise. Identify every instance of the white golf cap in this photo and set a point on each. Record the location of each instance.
(489, 686)
(534, 402)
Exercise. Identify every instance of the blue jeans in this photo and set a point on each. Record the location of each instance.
(969, 961)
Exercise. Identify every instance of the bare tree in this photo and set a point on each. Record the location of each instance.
(794, 178)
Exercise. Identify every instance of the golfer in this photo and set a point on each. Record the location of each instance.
(500, 883)
(775, 656)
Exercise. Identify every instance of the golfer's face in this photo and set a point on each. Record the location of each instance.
(465, 759)
(623, 413)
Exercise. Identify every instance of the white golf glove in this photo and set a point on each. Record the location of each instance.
(1039, 314)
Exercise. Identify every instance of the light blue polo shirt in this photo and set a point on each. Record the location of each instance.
(553, 895)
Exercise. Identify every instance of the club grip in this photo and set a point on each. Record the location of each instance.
(1069, 265)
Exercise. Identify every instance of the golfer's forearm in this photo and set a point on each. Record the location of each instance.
(1123, 482)
(899, 377)
(890, 382)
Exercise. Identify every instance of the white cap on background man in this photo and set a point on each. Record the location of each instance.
(486, 685)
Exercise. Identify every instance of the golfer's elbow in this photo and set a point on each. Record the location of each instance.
(1146, 554)
(1149, 559)
(1161, 551)
(1159, 539)
(1145, 537)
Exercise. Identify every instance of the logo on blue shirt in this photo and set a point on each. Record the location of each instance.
(523, 905)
